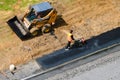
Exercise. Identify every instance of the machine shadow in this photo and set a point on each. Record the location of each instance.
(60, 22)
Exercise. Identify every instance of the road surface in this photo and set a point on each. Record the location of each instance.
(109, 71)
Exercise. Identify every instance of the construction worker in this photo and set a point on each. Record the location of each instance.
(70, 39)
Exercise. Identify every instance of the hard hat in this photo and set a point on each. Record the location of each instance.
(12, 67)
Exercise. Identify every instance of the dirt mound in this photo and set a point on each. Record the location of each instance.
(86, 17)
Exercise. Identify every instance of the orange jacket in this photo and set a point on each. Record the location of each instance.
(70, 37)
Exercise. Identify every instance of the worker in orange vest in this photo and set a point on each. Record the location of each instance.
(70, 39)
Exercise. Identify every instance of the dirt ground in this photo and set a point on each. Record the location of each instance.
(86, 17)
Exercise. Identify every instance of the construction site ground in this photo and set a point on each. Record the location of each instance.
(87, 18)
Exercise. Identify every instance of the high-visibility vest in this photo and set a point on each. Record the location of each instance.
(69, 37)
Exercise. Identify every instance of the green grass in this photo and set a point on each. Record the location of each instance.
(8, 4)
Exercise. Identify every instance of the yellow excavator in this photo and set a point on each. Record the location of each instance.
(38, 18)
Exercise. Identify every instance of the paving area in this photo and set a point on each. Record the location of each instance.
(93, 46)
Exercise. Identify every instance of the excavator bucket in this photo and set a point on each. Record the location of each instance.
(18, 27)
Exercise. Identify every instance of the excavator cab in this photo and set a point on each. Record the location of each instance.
(39, 18)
